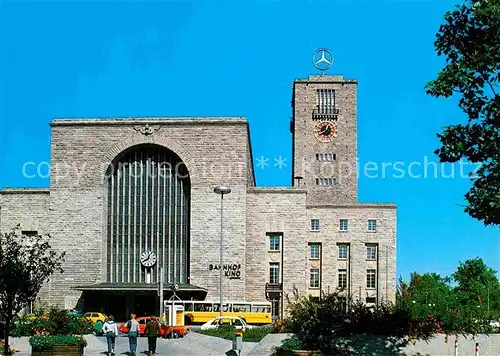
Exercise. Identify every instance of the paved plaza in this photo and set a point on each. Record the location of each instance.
(192, 344)
(202, 345)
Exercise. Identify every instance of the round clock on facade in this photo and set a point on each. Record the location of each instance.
(148, 258)
(325, 131)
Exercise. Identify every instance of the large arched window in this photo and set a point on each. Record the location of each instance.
(148, 211)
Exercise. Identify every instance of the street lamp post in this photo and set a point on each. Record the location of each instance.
(221, 189)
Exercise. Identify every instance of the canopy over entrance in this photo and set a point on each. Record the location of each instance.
(122, 299)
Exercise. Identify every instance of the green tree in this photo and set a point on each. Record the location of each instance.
(26, 262)
(478, 288)
(470, 41)
(428, 294)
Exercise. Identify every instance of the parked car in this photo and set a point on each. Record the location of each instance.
(166, 331)
(94, 317)
(236, 321)
(75, 312)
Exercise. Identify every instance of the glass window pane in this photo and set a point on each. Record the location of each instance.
(314, 251)
(314, 278)
(139, 195)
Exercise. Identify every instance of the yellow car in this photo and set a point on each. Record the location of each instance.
(95, 317)
(32, 317)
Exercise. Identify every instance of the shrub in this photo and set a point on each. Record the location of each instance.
(56, 322)
(323, 324)
(224, 332)
(291, 344)
(256, 334)
(316, 322)
(227, 332)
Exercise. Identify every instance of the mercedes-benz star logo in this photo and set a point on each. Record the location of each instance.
(323, 59)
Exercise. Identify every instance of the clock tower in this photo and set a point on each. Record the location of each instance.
(324, 131)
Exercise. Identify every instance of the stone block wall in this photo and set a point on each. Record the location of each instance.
(357, 236)
(214, 151)
(275, 210)
(344, 145)
(28, 207)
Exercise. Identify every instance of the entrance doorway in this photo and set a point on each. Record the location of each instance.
(121, 305)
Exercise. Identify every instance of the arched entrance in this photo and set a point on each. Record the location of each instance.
(148, 204)
(147, 208)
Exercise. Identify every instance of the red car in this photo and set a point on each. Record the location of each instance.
(166, 331)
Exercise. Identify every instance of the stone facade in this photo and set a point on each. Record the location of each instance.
(218, 151)
(27, 208)
(304, 127)
(357, 237)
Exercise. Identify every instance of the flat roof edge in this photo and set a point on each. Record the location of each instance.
(284, 190)
(123, 121)
(25, 191)
(357, 205)
(327, 79)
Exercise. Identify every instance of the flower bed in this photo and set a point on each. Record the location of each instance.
(55, 333)
(57, 345)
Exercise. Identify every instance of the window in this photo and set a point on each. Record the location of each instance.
(314, 251)
(371, 300)
(315, 224)
(326, 181)
(328, 157)
(371, 278)
(344, 223)
(342, 278)
(274, 242)
(325, 99)
(274, 273)
(343, 251)
(371, 252)
(314, 278)
(216, 307)
(29, 232)
(372, 225)
(143, 180)
(200, 307)
(241, 308)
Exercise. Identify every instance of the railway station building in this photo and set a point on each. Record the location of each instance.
(130, 197)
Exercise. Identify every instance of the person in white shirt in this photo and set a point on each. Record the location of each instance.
(111, 332)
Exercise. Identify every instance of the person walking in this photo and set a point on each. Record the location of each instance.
(111, 331)
(133, 331)
(152, 331)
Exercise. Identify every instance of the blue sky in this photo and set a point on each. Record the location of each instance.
(214, 58)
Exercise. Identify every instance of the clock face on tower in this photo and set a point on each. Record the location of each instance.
(325, 131)
(148, 258)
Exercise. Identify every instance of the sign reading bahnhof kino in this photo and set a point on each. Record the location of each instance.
(232, 271)
(126, 218)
